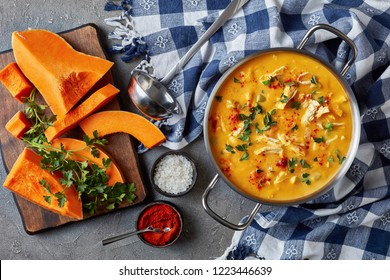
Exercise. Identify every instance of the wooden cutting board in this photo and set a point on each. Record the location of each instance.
(121, 148)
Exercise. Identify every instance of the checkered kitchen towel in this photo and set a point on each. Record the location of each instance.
(352, 221)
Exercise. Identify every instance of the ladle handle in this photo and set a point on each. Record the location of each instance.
(338, 33)
(123, 236)
(218, 218)
(230, 10)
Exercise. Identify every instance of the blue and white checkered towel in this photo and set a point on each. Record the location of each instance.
(352, 221)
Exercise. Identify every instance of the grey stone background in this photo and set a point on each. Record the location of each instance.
(202, 237)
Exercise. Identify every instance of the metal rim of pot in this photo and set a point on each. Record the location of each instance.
(352, 148)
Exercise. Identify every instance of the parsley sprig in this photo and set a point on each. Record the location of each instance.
(90, 179)
(40, 121)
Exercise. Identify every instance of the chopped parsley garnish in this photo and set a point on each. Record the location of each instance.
(305, 164)
(258, 129)
(340, 157)
(292, 163)
(328, 126)
(294, 128)
(283, 98)
(244, 137)
(321, 99)
(268, 120)
(314, 79)
(242, 147)
(296, 105)
(268, 82)
(258, 109)
(218, 98)
(305, 178)
(237, 81)
(245, 156)
(229, 149)
(319, 139)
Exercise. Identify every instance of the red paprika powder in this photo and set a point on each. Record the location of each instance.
(160, 216)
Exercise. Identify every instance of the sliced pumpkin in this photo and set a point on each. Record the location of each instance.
(15, 81)
(18, 125)
(108, 122)
(96, 101)
(61, 74)
(84, 154)
(24, 179)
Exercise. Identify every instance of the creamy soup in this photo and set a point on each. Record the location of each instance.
(280, 126)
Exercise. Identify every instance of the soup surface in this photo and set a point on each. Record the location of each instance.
(280, 126)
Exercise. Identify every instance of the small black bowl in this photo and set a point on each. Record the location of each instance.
(160, 203)
(153, 170)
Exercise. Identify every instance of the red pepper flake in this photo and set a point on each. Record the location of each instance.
(258, 178)
(263, 181)
(282, 162)
(214, 122)
(225, 166)
(275, 85)
(233, 117)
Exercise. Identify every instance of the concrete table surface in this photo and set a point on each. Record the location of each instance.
(202, 237)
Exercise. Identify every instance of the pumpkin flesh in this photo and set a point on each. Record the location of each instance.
(24, 179)
(96, 101)
(108, 122)
(61, 74)
(14, 80)
(18, 125)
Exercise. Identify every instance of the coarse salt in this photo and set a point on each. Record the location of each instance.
(173, 174)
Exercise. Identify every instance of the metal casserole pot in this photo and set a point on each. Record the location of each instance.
(352, 148)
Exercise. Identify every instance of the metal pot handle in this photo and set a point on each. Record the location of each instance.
(218, 218)
(337, 33)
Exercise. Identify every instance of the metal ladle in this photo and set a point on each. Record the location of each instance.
(128, 234)
(150, 96)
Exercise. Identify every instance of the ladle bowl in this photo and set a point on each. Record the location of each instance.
(150, 95)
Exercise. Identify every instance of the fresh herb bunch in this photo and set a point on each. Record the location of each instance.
(36, 113)
(91, 180)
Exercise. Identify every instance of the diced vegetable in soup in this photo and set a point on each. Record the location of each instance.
(280, 126)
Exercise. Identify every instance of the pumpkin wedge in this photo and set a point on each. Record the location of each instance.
(108, 122)
(96, 101)
(18, 125)
(84, 154)
(24, 179)
(14, 80)
(60, 73)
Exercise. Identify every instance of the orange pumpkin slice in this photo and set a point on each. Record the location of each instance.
(18, 125)
(15, 81)
(24, 179)
(84, 154)
(108, 122)
(60, 73)
(93, 103)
